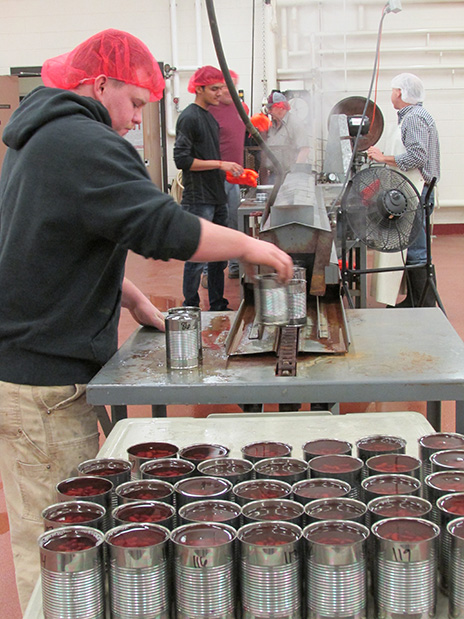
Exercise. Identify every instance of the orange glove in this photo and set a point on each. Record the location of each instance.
(249, 177)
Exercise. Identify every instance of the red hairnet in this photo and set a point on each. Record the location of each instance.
(113, 53)
(204, 76)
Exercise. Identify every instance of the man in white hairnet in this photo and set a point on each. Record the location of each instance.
(416, 154)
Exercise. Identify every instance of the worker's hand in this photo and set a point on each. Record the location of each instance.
(376, 154)
(230, 166)
(146, 314)
(261, 252)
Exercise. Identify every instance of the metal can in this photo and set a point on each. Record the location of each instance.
(271, 300)
(455, 530)
(405, 568)
(326, 447)
(336, 508)
(383, 485)
(438, 441)
(336, 569)
(203, 451)
(88, 488)
(116, 470)
(154, 512)
(266, 449)
(398, 506)
(72, 573)
(441, 483)
(152, 450)
(338, 466)
(450, 506)
(270, 570)
(200, 488)
(233, 469)
(378, 444)
(309, 490)
(211, 510)
(138, 571)
(447, 460)
(203, 556)
(182, 335)
(258, 489)
(297, 312)
(288, 469)
(196, 311)
(284, 510)
(394, 463)
(145, 490)
(69, 513)
(167, 469)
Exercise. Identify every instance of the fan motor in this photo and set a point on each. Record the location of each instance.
(393, 203)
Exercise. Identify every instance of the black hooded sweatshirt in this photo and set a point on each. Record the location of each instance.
(74, 197)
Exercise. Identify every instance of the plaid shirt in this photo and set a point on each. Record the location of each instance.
(420, 138)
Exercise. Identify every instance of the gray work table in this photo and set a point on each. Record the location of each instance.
(395, 355)
(235, 431)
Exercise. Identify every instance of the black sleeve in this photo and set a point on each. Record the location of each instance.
(183, 145)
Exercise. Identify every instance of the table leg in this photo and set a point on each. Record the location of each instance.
(158, 410)
(434, 415)
(118, 412)
(251, 408)
(459, 427)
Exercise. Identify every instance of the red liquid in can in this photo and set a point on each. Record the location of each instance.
(269, 534)
(202, 535)
(138, 538)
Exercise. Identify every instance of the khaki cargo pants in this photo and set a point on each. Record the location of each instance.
(45, 432)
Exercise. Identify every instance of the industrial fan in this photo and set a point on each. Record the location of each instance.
(383, 209)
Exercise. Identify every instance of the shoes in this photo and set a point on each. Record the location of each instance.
(204, 280)
(234, 274)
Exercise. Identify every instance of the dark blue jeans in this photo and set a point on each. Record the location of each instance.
(417, 251)
(192, 270)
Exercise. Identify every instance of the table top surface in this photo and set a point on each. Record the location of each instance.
(235, 431)
(394, 355)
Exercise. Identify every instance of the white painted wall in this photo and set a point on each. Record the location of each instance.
(326, 45)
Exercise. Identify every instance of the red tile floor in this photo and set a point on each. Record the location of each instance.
(162, 283)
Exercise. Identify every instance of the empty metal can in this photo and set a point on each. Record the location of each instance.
(88, 488)
(233, 469)
(405, 568)
(71, 560)
(189, 310)
(182, 335)
(288, 469)
(336, 572)
(297, 312)
(266, 449)
(138, 571)
(325, 447)
(152, 450)
(271, 300)
(438, 441)
(68, 513)
(258, 489)
(455, 530)
(270, 570)
(203, 555)
(450, 506)
(338, 466)
(155, 512)
(441, 483)
(116, 470)
(211, 510)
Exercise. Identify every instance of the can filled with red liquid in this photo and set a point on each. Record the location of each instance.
(273, 509)
(377, 444)
(259, 489)
(233, 469)
(145, 490)
(450, 507)
(155, 512)
(138, 571)
(68, 513)
(387, 484)
(447, 460)
(153, 450)
(394, 463)
(455, 529)
(438, 441)
(167, 469)
(203, 451)
(266, 449)
(200, 488)
(326, 447)
(270, 570)
(315, 488)
(116, 470)
(203, 555)
(336, 569)
(405, 568)
(72, 573)
(88, 488)
(398, 506)
(211, 510)
(441, 483)
(344, 468)
(343, 508)
(288, 469)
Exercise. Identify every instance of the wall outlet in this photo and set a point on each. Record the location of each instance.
(394, 6)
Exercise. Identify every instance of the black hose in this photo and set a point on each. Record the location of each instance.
(255, 134)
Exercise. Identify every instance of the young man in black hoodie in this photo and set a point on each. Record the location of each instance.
(74, 198)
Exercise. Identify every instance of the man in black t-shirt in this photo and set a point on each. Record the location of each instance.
(196, 153)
